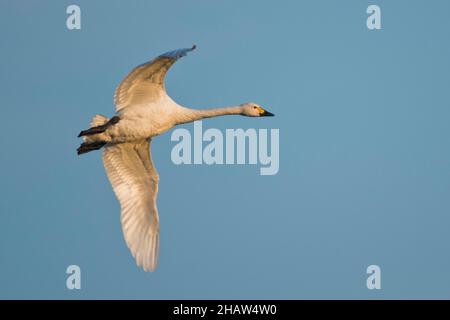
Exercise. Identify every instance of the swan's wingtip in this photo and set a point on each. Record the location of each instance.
(177, 54)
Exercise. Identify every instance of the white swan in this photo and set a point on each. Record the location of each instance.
(144, 110)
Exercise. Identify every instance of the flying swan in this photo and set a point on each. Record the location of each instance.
(143, 111)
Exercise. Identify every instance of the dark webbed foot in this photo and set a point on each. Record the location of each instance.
(99, 129)
(90, 146)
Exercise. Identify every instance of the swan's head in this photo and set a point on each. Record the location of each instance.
(252, 109)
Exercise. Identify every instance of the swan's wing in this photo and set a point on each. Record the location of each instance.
(135, 182)
(145, 83)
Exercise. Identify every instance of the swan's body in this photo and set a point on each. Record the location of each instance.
(143, 110)
(145, 121)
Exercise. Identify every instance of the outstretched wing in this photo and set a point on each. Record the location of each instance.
(135, 182)
(145, 83)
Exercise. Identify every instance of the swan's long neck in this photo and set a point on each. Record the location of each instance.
(190, 115)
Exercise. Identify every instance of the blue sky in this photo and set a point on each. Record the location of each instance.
(364, 160)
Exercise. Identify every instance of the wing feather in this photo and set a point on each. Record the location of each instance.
(135, 182)
(145, 83)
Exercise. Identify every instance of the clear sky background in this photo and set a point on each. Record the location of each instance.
(364, 150)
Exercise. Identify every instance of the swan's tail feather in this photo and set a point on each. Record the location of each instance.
(98, 120)
(86, 147)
